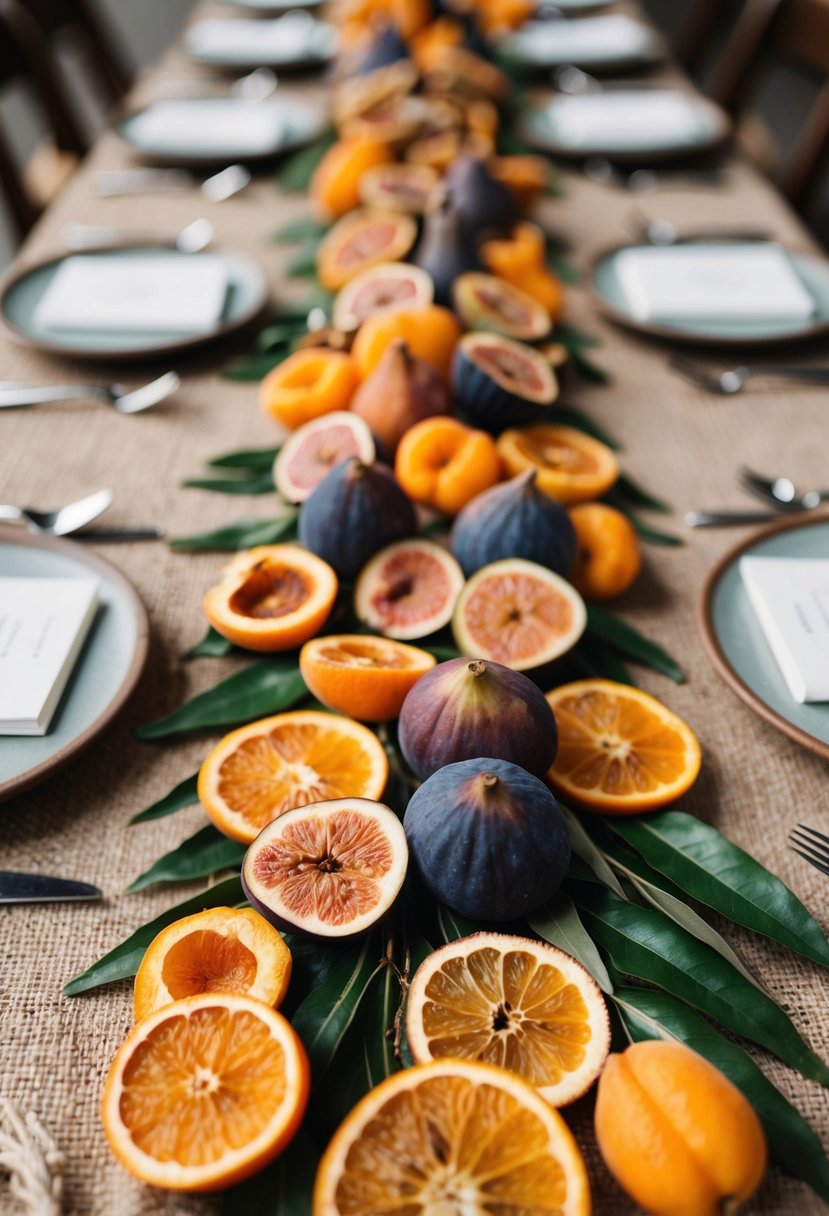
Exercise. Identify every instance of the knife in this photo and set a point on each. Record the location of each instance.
(17, 888)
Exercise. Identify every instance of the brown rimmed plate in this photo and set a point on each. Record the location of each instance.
(107, 669)
(736, 645)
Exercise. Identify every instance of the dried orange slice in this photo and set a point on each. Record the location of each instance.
(272, 598)
(328, 870)
(257, 773)
(448, 1137)
(571, 466)
(515, 1002)
(620, 751)
(218, 950)
(205, 1092)
(362, 676)
(518, 613)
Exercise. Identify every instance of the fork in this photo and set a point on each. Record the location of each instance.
(656, 231)
(646, 181)
(125, 401)
(781, 492)
(811, 845)
(735, 379)
(62, 520)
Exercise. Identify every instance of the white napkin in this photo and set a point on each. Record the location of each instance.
(790, 597)
(581, 39)
(251, 40)
(243, 128)
(178, 294)
(625, 117)
(716, 282)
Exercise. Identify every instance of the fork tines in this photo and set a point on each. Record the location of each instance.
(811, 845)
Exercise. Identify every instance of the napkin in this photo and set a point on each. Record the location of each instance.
(790, 598)
(623, 117)
(243, 128)
(182, 294)
(710, 283)
(580, 40)
(252, 40)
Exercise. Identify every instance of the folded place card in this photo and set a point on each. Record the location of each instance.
(587, 39)
(43, 624)
(790, 597)
(180, 294)
(244, 128)
(716, 282)
(623, 117)
(297, 35)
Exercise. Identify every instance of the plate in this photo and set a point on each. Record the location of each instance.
(104, 676)
(736, 645)
(296, 40)
(219, 130)
(813, 271)
(246, 296)
(608, 42)
(566, 126)
(581, 6)
(272, 7)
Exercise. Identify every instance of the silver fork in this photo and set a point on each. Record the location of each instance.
(83, 237)
(646, 181)
(62, 520)
(735, 379)
(781, 492)
(113, 183)
(811, 845)
(661, 232)
(125, 401)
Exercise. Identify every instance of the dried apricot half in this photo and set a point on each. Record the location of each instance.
(308, 384)
(362, 676)
(442, 463)
(570, 466)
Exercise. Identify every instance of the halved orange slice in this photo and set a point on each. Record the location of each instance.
(205, 1092)
(362, 676)
(570, 466)
(453, 1136)
(515, 1002)
(257, 773)
(518, 613)
(620, 751)
(272, 598)
(218, 950)
(328, 870)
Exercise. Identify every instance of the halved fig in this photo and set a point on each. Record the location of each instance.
(499, 383)
(383, 288)
(399, 187)
(363, 239)
(311, 452)
(328, 870)
(485, 302)
(408, 590)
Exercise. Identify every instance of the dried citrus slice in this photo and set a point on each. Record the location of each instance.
(571, 466)
(620, 751)
(453, 1136)
(518, 613)
(205, 1092)
(515, 1002)
(329, 870)
(218, 950)
(272, 598)
(362, 676)
(257, 773)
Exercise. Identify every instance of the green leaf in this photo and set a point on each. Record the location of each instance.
(569, 415)
(257, 483)
(325, 1015)
(562, 269)
(255, 367)
(303, 265)
(273, 337)
(452, 925)
(246, 458)
(442, 653)
(574, 338)
(585, 847)
(265, 687)
(718, 873)
(212, 646)
(599, 660)
(588, 369)
(283, 1188)
(206, 853)
(561, 924)
(632, 643)
(298, 310)
(184, 794)
(646, 944)
(653, 536)
(633, 493)
(306, 228)
(295, 172)
(792, 1143)
(244, 534)
(124, 960)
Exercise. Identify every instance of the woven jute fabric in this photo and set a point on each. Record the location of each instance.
(680, 443)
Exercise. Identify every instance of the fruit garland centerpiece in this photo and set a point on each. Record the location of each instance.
(441, 836)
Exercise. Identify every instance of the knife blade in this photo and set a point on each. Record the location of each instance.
(19, 888)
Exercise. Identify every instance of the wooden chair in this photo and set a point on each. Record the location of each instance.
(696, 35)
(85, 23)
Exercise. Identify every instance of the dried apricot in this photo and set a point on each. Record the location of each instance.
(430, 333)
(335, 186)
(608, 557)
(308, 384)
(442, 463)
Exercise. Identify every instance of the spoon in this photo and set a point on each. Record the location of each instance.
(646, 181)
(662, 232)
(781, 492)
(79, 237)
(113, 183)
(63, 520)
(125, 401)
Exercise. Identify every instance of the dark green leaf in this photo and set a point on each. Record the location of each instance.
(637, 497)
(295, 172)
(442, 653)
(184, 794)
(718, 873)
(303, 265)
(569, 415)
(632, 643)
(561, 924)
(646, 944)
(556, 243)
(600, 660)
(212, 646)
(244, 534)
(297, 310)
(653, 536)
(265, 687)
(206, 853)
(255, 367)
(573, 338)
(306, 228)
(246, 458)
(124, 960)
(452, 925)
(255, 483)
(792, 1143)
(585, 847)
(325, 1015)
(276, 337)
(588, 369)
(562, 269)
(283, 1188)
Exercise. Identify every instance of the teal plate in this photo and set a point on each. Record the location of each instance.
(736, 645)
(813, 271)
(246, 296)
(106, 672)
(204, 42)
(532, 47)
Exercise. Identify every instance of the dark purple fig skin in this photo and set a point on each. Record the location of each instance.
(489, 839)
(484, 204)
(466, 708)
(353, 512)
(514, 519)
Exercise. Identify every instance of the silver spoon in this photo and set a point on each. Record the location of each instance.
(114, 183)
(125, 401)
(646, 181)
(734, 379)
(662, 232)
(80, 237)
(781, 492)
(63, 520)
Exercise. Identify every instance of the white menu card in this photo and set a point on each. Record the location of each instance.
(790, 597)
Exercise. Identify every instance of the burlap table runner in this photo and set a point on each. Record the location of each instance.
(682, 444)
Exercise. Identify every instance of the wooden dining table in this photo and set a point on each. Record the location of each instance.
(682, 444)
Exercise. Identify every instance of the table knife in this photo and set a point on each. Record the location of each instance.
(18, 888)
